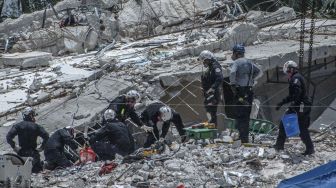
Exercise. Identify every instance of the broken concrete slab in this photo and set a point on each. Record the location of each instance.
(326, 121)
(262, 19)
(92, 100)
(27, 59)
(79, 39)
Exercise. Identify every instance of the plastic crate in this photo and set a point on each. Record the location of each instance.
(261, 126)
(256, 125)
(229, 123)
(201, 133)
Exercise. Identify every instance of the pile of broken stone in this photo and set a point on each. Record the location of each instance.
(200, 164)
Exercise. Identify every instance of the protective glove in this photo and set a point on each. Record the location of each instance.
(278, 106)
(211, 90)
(147, 128)
(17, 149)
(161, 139)
(39, 149)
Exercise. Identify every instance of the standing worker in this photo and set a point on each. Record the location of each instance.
(54, 150)
(112, 138)
(242, 77)
(27, 132)
(124, 108)
(300, 104)
(159, 116)
(212, 79)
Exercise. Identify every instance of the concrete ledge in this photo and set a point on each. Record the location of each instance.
(26, 60)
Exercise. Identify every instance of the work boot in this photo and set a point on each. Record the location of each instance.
(309, 152)
(278, 148)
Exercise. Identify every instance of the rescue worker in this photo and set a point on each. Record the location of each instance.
(124, 108)
(242, 78)
(27, 132)
(112, 138)
(300, 104)
(158, 116)
(54, 153)
(211, 79)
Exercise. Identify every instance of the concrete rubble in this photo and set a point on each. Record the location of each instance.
(216, 165)
(71, 73)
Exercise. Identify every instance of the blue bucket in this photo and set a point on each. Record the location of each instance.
(291, 124)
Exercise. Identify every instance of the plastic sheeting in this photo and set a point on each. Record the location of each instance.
(322, 177)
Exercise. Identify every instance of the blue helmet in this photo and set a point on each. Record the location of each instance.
(238, 48)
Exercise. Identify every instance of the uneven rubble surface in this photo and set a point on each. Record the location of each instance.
(194, 165)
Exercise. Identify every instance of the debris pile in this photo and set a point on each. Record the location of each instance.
(199, 165)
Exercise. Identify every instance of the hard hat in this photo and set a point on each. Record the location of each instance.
(29, 111)
(70, 130)
(166, 113)
(109, 114)
(133, 94)
(238, 48)
(289, 64)
(205, 54)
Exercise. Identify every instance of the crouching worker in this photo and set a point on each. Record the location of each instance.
(158, 116)
(112, 138)
(27, 132)
(54, 153)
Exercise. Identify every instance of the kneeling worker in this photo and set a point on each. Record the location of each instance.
(159, 116)
(54, 150)
(124, 108)
(112, 138)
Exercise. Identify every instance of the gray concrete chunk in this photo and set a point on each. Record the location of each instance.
(26, 60)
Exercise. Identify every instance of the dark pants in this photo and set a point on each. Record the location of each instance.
(212, 110)
(150, 140)
(107, 151)
(211, 103)
(304, 122)
(37, 164)
(243, 109)
(55, 159)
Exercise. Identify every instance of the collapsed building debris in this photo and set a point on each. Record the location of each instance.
(155, 53)
(217, 165)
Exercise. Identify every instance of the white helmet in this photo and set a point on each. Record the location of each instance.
(109, 114)
(166, 113)
(29, 111)
(133, 94)
(289, 64)
(206, 54)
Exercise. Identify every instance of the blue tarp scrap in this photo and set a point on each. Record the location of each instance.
(322, 177)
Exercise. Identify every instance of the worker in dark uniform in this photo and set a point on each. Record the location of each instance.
(242, 78)
(124, 108)
(113, 138)
(211, 79)
(54, 150)
(27, 132)
(300, 104)
(158, 116)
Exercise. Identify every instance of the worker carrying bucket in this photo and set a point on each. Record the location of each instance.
(299, 109)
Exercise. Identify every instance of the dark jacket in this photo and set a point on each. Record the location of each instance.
(117, 134)
(27, 132)
(59, 139)
(212, 78)
(123, 111)
(297, 93)
(150, 117)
